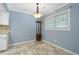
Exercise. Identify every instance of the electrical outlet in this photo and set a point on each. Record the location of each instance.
(55, 40)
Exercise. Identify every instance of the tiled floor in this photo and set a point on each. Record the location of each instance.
(34, 48)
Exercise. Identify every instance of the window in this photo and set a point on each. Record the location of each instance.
(59, 21)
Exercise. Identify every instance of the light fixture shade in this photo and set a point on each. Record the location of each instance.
(37, 15)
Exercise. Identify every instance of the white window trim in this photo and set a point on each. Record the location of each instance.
(67, 29)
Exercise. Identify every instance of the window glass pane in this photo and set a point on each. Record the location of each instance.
(61, 21)
(50, 22)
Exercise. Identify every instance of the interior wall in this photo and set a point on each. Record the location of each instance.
(65, 39)
(22, 27)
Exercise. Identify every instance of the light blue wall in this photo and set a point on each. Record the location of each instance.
(65, 39)
(22, 27)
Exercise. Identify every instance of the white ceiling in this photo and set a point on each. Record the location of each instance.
(30, 8)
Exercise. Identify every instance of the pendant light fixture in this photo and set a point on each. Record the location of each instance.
(37, 14)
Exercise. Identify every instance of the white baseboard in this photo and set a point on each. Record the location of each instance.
(21, 43)
(60, 47)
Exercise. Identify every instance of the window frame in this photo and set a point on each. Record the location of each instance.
(55, 15)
